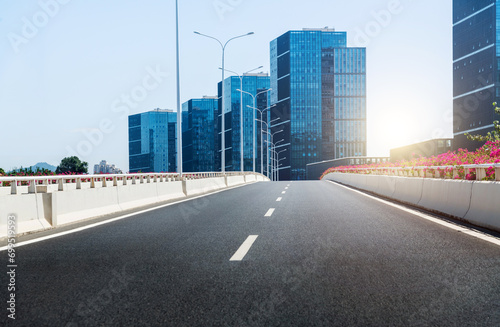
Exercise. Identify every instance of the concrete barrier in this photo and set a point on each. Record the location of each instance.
(169, 191)
(28, 210)
(76, 205)
(202, 186)
(372, 183)
(448, 196)
(473, 201)
(408, 190)
(485, 205)
(250, 178)
(52, 208)
(235, 180)
(386, 186)
(106, 200)
(133, 196)
(358, 180)
(6, 190)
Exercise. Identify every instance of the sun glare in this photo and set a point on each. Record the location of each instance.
(392, 130)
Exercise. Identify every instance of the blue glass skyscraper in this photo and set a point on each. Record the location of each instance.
(255, 84)
(152, 141)
(476, 61)
(319, 88)
(199, 135)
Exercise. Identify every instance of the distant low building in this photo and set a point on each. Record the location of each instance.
(104, 168)
(425, 149)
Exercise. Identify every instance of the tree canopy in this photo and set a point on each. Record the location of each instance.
(72, 165)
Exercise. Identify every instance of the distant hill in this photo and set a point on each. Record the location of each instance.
(44, 165)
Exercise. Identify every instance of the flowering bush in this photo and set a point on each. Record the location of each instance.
(487, 154)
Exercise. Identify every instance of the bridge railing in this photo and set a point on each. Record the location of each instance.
(44, 184)
(480, 171)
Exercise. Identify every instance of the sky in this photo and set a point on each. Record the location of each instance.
(71, 71)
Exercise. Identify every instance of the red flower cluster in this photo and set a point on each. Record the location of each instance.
(487, 154)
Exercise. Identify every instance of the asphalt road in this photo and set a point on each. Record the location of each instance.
(326, 256)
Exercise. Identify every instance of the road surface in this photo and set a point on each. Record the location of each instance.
(325, 256)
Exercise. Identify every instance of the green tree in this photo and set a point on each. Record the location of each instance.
(72, 165)
(492, 136)
(2, 172)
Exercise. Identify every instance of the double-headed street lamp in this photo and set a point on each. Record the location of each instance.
(276, 171)
(277, 156)
(276, 160)
(253, 119)
(278, 165)
(272, 149)
(241, 111)
(261, 138)
(223, 125)
(272, 143)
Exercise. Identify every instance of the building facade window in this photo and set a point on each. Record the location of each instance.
(152, 141)
(321, 94)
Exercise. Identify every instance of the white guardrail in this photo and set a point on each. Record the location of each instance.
(45, 184)
(444, 172)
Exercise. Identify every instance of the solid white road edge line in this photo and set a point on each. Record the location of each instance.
(79, 229)
(243, 249)
(269, 212)
(457, 228)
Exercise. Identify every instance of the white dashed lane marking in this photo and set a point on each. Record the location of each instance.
(243, 250)
(269, 212)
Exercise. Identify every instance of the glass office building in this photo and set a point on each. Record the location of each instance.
(152, 141)
(199, 135)
(319, 88)
(476, 63)
(257, 85)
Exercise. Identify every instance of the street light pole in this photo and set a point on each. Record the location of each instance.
(277, 162)
(223, 119)
(273, 148)
(179, 113)
(274, 161)
(261, 111)
(253, 118)
(241, 112)
(261, 141)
